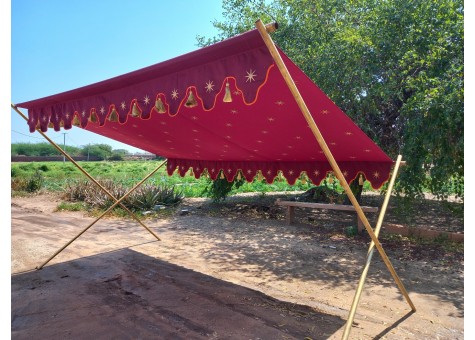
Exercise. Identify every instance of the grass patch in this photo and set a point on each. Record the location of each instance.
(71, 206)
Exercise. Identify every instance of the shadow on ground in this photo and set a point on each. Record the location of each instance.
(125, 294)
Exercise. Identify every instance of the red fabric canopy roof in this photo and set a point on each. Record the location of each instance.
(223, 107)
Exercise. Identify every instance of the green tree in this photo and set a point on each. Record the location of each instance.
(102, 151)
(39, 149)
(395, 67)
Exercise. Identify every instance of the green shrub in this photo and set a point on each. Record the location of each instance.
(29, 184)
(97, 197)
(220, 188)
(351, 231)
(35, 182)
(116, 157)
(148, 196)
(145, 197)
(76, 190)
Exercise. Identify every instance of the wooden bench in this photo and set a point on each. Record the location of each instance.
(291, 205)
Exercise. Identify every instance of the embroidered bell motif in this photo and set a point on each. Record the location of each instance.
(239, 176)
(191, 172)
(93, 117)
(304, 179)
(221, 176)
(360, 180)
(227, 95)
(135, 111)
(191, 101)
(76, 121)
(260, 177)
(160, 106)
(114, 117)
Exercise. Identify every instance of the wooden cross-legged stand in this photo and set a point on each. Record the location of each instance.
(117, 201)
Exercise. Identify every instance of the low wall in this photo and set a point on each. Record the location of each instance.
(421, 233)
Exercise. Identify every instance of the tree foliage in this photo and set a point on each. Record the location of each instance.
(40, 149)
(98, 151)
(395, 67)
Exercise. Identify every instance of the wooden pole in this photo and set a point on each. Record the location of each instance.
(321, 141)
(87, 174)
(369, 256)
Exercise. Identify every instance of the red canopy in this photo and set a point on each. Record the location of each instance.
(223, 107)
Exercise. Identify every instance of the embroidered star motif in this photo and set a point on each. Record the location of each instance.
(291, 172)
(229, 171)
(332, 143)
(345, 173)
(269, 172)
(325, 112)
(367, 150)
(264, 132)
(134, 125)
(236, 93)
(316, 172)
(67, 115)
(250, 75)
(102, 110)
(209, 86)
(44, 119)
(194, 118)
(175, 94)
(259, 141)
(234, 111)
(229, 124)
(279, 102)
(376, 174)
(348, 133)
(270, 119)
(146, 100)
(298, 137)
(249, 171)
(123, 106)
(194, 130)
(213, 170)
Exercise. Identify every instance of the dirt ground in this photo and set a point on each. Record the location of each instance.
(233, 271)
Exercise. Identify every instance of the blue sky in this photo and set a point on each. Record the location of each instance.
(59, 45)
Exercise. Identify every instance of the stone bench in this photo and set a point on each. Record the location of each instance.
(291, 205)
